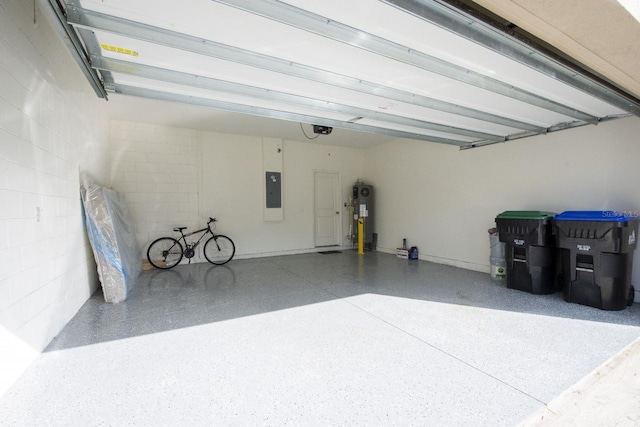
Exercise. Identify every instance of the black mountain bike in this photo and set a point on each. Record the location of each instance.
(167, 252)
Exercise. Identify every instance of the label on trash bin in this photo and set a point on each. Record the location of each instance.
(632, 237)
(584, 247)
(498, 272)
(518, 242)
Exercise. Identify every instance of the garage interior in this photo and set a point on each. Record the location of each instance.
(452, 111)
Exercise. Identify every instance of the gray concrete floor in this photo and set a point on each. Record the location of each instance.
(313, 339)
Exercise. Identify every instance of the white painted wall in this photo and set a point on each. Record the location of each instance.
(158, 169)
(180, 177)
(440, 198)
(444, 200)
(52, 126)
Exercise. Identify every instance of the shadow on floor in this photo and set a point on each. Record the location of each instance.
(196, 294)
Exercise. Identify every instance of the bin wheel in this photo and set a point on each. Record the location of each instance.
(630, 297)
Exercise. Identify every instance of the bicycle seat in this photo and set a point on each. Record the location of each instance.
(179, 228)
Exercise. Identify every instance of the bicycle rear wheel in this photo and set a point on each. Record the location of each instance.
(219, 249)
(165, 253)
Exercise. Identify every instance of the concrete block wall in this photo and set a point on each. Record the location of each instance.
(158, 169)
(180, 177)
(52, 127)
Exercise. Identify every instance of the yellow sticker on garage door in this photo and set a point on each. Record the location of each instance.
(118, 49)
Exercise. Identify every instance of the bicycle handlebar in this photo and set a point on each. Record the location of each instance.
(211, 220)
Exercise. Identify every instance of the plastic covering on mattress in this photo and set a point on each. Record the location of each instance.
(113, 241)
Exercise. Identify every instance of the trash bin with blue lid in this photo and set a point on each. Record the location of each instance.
(597, 257)
(530, 251)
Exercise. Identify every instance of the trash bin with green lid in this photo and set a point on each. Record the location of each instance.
(531, 253)
(597, 256)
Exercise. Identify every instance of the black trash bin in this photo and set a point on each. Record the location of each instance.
(597, 257)
(530, 250)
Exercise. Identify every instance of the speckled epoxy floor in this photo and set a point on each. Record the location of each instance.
(314, 339)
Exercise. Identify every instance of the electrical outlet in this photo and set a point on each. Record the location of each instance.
(38, 210)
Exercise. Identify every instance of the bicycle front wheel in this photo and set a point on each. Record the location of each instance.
(165, 253)
(219, 250)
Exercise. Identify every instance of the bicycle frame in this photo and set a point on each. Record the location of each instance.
(206, 230)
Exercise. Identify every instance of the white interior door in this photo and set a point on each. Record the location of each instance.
(327, 208)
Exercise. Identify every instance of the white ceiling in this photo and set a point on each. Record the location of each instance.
(372, 65)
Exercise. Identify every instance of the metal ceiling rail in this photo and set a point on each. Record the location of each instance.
(86, 19)
(457, 21)
(55, 13)
(311, 22)
(274, 114)
(555, 128)
(207, 83)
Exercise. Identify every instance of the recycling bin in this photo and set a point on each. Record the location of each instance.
(597, 257)
(530, 250)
